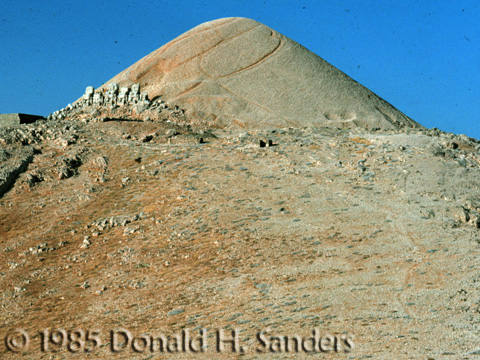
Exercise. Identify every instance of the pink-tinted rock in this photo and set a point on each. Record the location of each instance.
(236, 71)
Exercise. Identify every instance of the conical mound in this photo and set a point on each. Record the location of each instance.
(238, 71)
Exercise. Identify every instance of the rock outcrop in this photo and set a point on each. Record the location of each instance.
(10, 170)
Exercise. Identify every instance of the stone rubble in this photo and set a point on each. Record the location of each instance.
(119, 102)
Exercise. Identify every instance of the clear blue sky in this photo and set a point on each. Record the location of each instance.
(421, 56)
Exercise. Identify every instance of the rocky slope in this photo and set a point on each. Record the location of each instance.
(372, 236)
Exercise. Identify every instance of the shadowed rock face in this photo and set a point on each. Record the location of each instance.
(236, 71)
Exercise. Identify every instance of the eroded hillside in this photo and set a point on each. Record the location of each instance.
(156, 227)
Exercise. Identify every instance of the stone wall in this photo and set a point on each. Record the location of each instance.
(17, 119)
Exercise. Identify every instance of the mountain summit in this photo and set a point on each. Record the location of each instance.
(128, 226)
(236, 71)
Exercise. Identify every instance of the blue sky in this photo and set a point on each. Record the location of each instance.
(421, 56)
